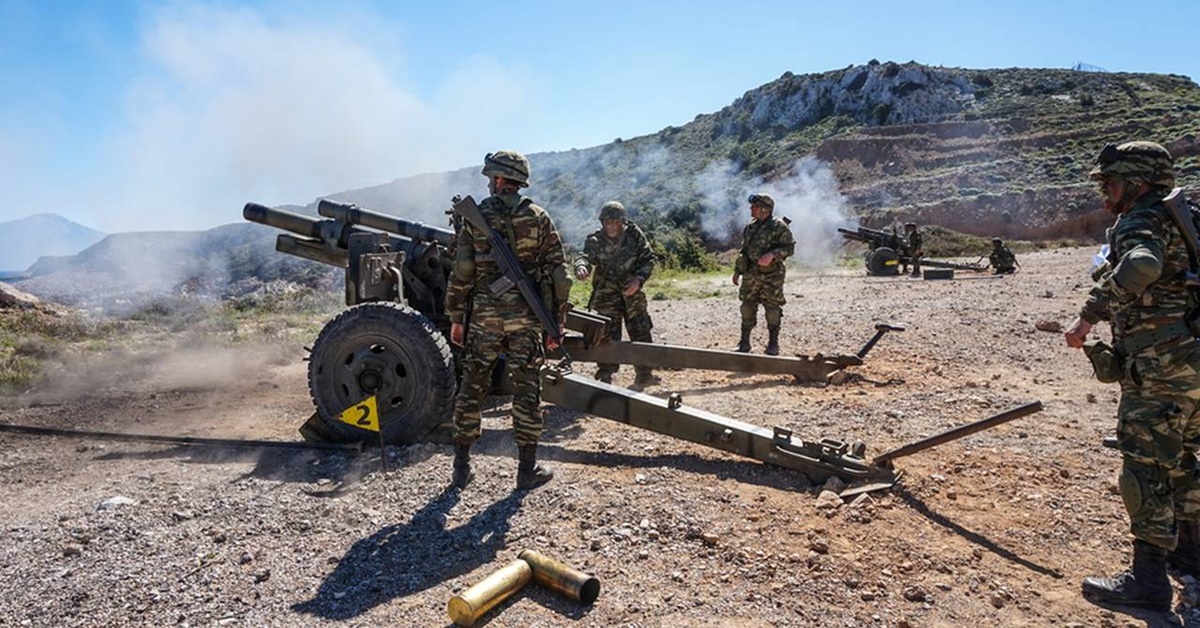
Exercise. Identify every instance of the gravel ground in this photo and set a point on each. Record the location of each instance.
(998, 528)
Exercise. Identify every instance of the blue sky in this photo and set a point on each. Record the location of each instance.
(131, 116)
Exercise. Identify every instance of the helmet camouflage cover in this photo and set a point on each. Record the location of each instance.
(508, 164)
(612, 210)
(762, 200)
(1146, 162)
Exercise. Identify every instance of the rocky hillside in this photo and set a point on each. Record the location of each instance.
(982, 151)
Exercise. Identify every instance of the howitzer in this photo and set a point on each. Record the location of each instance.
(886, 253)
(388, 353)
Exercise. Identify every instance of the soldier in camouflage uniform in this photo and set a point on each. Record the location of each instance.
(504, 324)
(1001, 259)
(913, 249)
(1156, 358)
(618, 259)
(766, 243)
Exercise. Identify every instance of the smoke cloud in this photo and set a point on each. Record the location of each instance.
(232, 106)
(808, 196)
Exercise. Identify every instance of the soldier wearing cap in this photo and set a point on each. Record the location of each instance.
(759, 271)
(1140, 291)
(1001, 259)
(504, 323)
(618, 259)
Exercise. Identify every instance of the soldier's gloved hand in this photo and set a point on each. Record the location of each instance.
(633, 286)
(457, 331)
(766, 259)
(582, 272)
(737, 277)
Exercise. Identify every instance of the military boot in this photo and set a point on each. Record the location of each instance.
(773, 340)
(1145, 584)
(462, 475)
(530, 474)
(1186, 555)
(645, 377)
(605, 373)
(744, 343)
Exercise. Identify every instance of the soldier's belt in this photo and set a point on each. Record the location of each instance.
(1135, 343)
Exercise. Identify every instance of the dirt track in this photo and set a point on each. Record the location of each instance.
(996, 529)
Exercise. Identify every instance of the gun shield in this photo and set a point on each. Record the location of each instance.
(467, 607)
(561, 578)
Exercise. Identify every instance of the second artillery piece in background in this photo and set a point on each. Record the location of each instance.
(887, 252)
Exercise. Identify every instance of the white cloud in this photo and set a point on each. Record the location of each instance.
(235, 107)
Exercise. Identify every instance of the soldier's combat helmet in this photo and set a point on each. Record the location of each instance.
(612, 210)
(910, 225)
(1145, 162)
(508, 164)
(762, 200)
(997, 241)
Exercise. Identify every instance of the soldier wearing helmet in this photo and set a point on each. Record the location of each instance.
(1001, 259)
(1155, 356)
(618, 259)
(766, 242)
(504, 323)
(913, 249)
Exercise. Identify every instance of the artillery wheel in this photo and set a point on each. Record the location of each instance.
(391, 351)
(883, 261)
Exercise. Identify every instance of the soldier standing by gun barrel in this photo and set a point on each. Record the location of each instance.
(504, 322)
(618, 259)
(1142, 290)
(766, 242)
(913, 249)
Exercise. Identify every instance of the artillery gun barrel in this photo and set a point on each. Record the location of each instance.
(355, 215)
(298, 224)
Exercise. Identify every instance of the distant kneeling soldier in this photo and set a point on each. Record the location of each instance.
(1001, 259)
(618, 259)
(766, 243)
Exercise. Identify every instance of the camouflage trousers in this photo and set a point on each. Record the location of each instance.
(633, 310)
(1158, 431)
(765, 289)
(520, 340)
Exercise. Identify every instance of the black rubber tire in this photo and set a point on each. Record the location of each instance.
(387, 348)
(883, 262)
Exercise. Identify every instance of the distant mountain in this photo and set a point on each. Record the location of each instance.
(983, 152)
(987, 152)
(23, 241)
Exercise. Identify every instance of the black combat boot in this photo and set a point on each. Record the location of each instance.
(530, 474)
(462, 466)
(645, 377)
(773, 340)
(744, 343)
(1186, 555)
(605, 373)
(1145, 584)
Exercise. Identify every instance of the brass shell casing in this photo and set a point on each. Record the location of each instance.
(561, 578)
(467, 607)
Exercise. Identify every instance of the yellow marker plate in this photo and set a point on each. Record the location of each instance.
(364, 414)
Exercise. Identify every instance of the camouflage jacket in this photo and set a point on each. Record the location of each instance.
(1002, 257)
(914, 243)
(534, 240)
(613, 262)
(760, 237)
(1141, 287)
